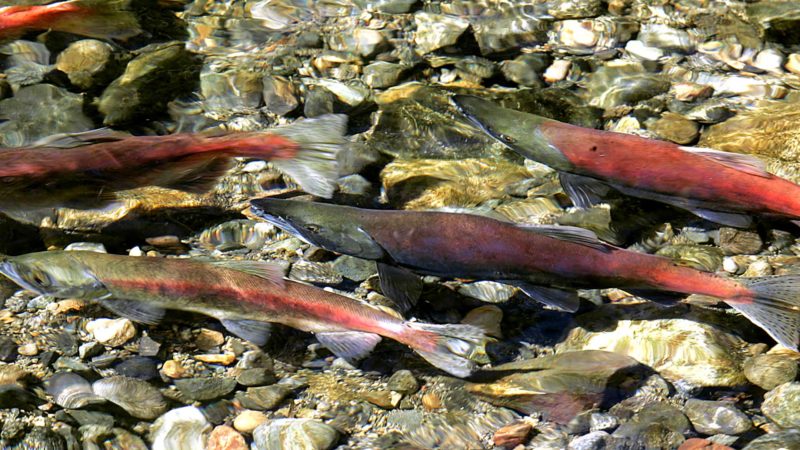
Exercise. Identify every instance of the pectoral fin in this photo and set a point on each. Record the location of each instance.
(350, 345)
(400, 285)
(254, 331)
(560, 299)
(584, 192)
(134, 310)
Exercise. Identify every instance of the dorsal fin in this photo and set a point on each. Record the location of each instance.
(264, 270)
(569, 234)
(745, 163)
(69, 140)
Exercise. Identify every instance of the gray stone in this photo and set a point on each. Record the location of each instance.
(435, 31)
(602, 422)
(256, 377)
(770, 371)
(263, 398)
(279, 95)
(39, 111)
(526, 69)
(353, 268)
(403, 381)
(596, 440)
(294, 434)
(782, 405)
(138, 398)
(782, 440)
(201, 389)
(159, 74)
(382, 74)
(709, 417)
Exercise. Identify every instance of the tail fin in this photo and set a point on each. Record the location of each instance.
(775, 307)
(102, 19)
(456, 349)
(315, 167)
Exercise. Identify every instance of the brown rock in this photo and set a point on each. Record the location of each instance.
(431, 401)
(208, 339)
(225, 359)
(224, 437)
(249, 420)
(674, 127)
(383, 399)
(512, 435)
(702, 444)
(173, 369)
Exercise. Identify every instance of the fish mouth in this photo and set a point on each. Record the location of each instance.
(476, 110)
(282, 223)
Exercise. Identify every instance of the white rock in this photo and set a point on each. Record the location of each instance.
(111, 332)
(557, 71)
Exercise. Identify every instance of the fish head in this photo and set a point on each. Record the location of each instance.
(517, 130)
(58, 274)
(335, 228)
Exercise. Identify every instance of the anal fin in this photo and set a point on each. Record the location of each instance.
(560, 299)
(400, 285)
(350, 345)
(254, 331)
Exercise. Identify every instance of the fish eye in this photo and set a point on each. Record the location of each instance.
(507, 138)
(313, 228)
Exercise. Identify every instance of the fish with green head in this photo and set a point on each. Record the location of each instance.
(246, 296)
(722, 187)
(548, 263)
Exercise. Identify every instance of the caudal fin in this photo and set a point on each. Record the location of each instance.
(456, 349)
(102, 19)
(775, 307)
(315, 167)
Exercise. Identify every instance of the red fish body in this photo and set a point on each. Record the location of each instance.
(93, 18)
(245, 296)
(719, 186)
(547, 262)
(86, 169)
(666, 168)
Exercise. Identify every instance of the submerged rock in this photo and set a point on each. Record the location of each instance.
(180, 428)
(138, 398)
(432, 183)
(711, 418)
(782, 405)
(160, 73)
(770, 371)
(769, 132)
(562, 386)
(435, 31)
(775, 441)
(90, 63)
(679, 343)
(294, 434)
(38, 111)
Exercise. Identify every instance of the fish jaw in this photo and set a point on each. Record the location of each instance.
(517, 130)
(53, 273)
(332, 227)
